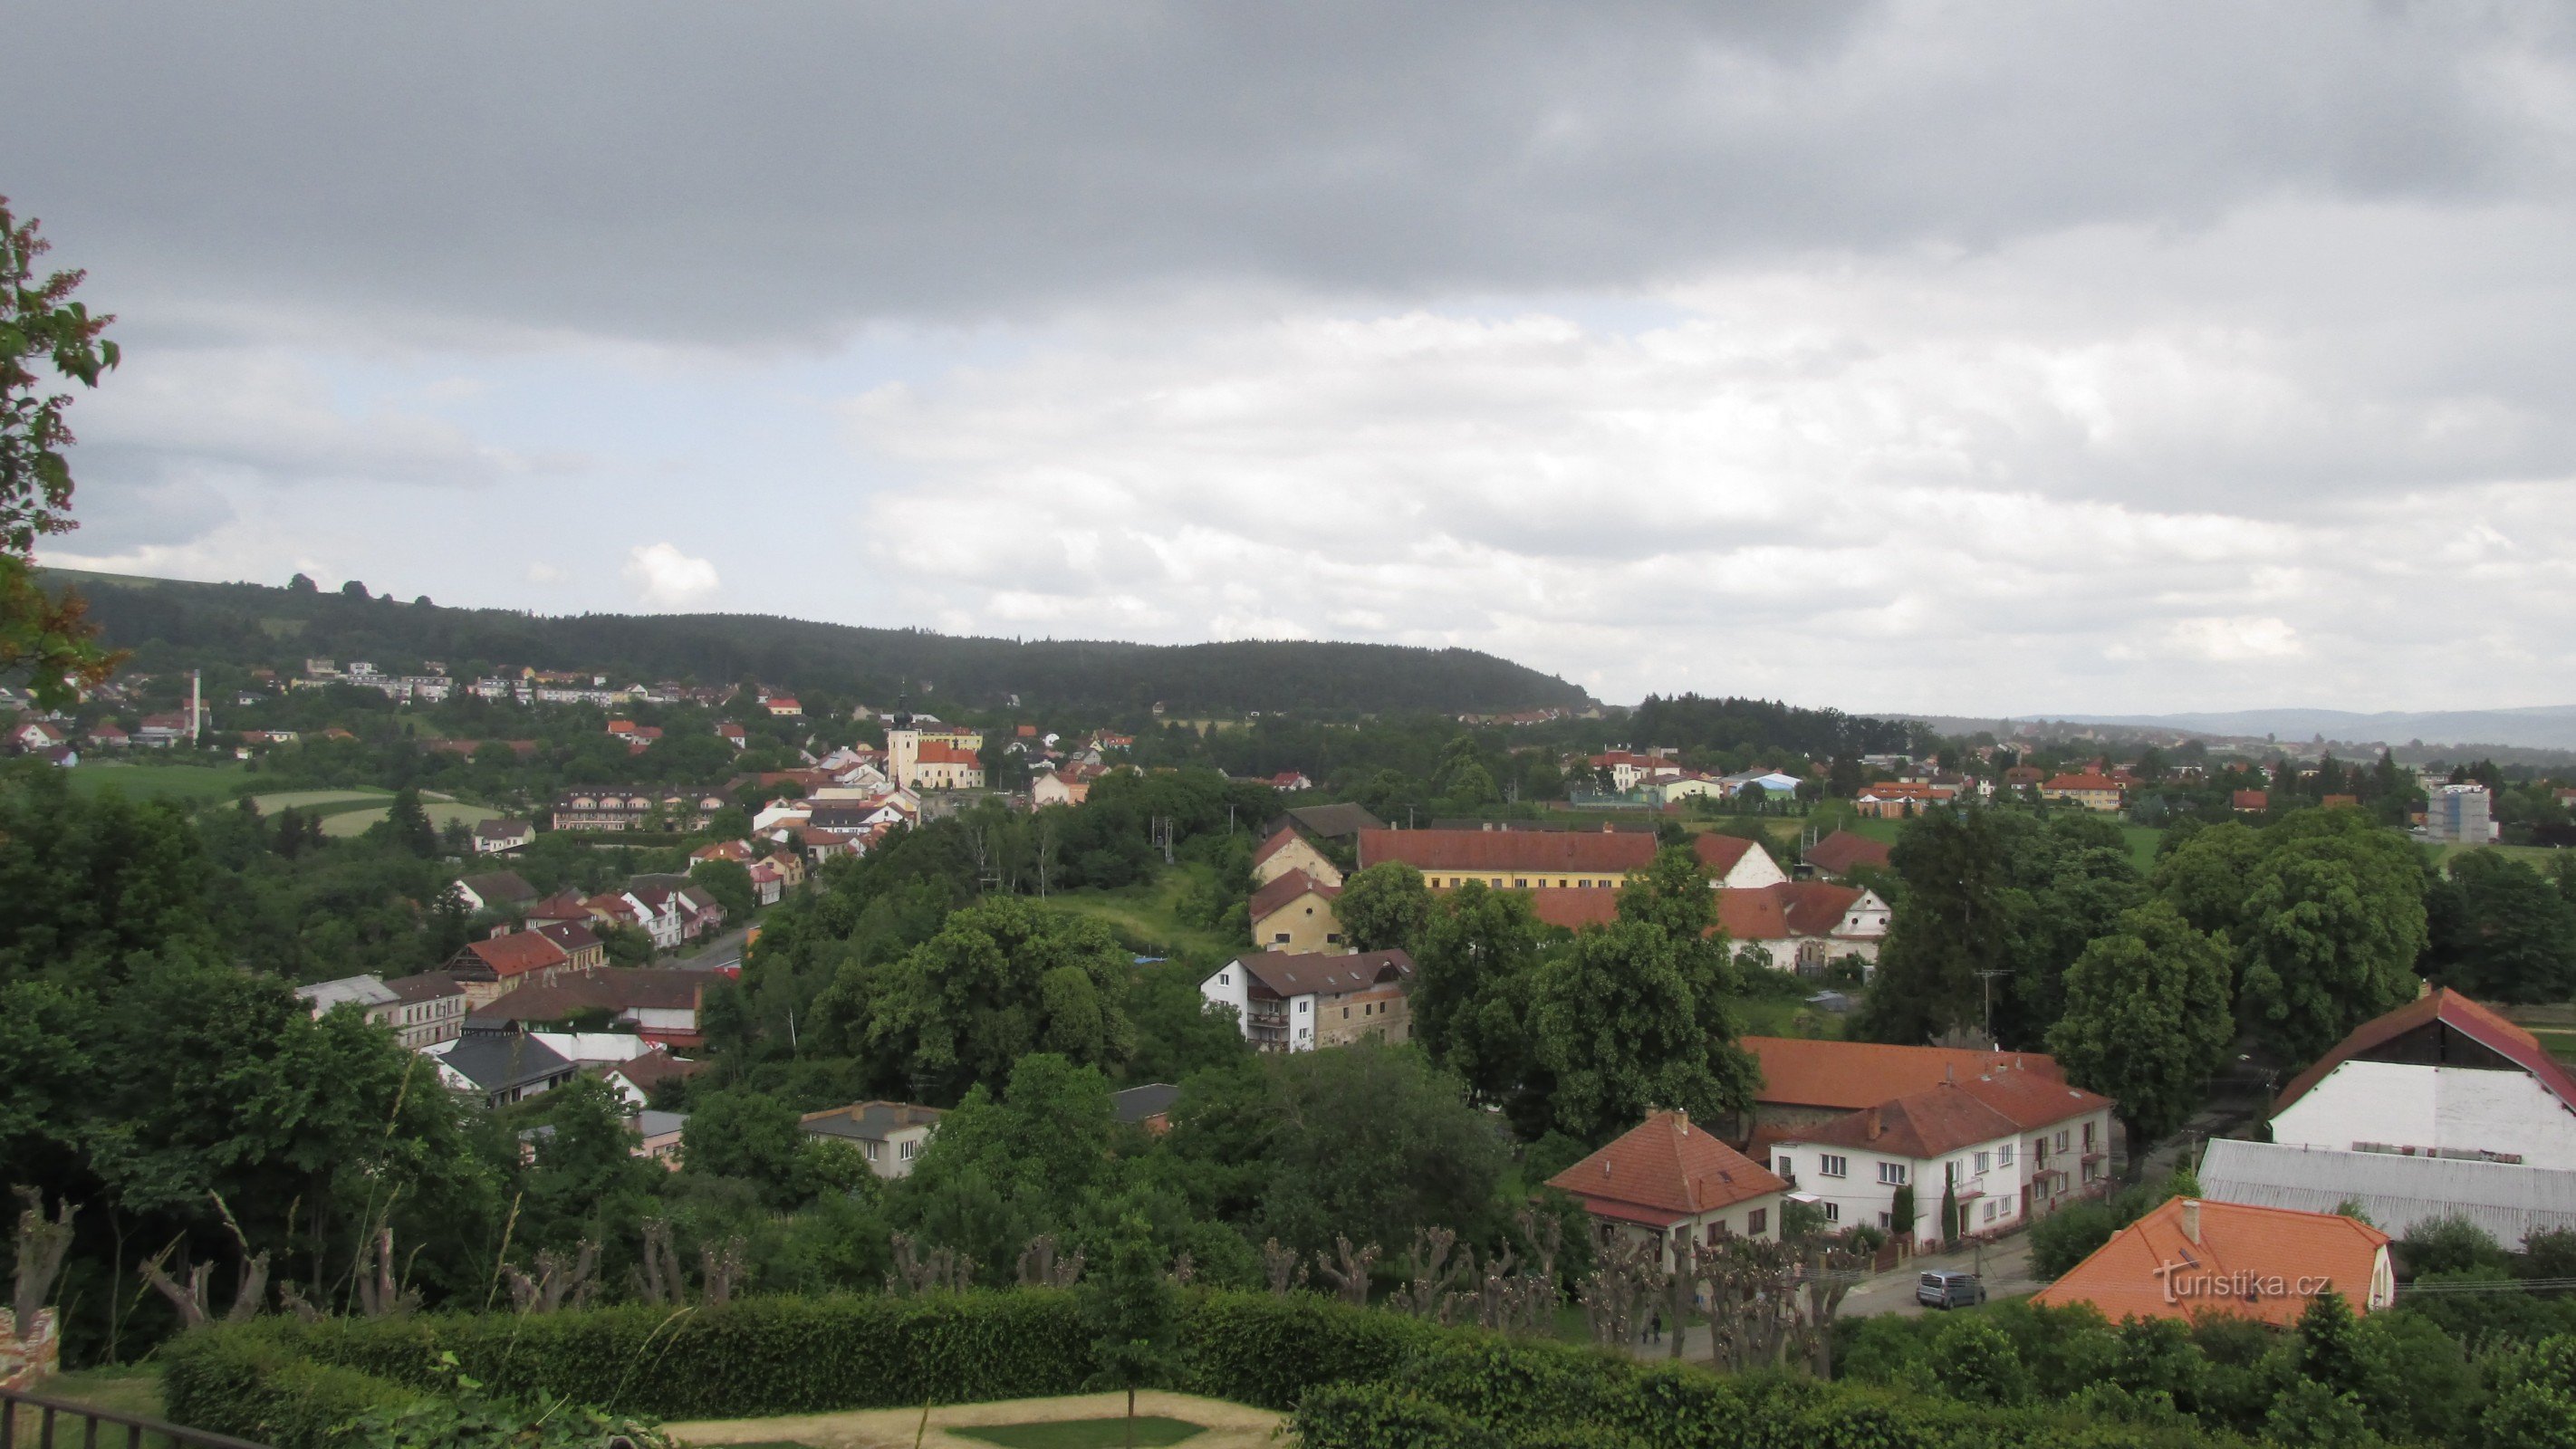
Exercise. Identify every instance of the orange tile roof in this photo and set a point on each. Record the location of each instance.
(2033, 1099)
(517, 954)
(1285, 837)
(1854, 1074)
(1286, 889)
(1536, 851)
(1774, 912)
(2476, 1021)
(934, 752)
(2260, 1262)
(2083, 782)
(1665, 1169)
(1574, 909)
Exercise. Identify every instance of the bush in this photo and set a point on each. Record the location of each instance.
(244, 1382)
(2449, 1245)
(2068, 1236)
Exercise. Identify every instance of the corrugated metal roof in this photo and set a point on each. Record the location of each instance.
(2394, 1191)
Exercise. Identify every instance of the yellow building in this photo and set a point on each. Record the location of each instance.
(1294, 913)
(1287, 851)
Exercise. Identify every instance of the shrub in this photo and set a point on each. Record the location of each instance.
(244, 1382)
(2068, 1236)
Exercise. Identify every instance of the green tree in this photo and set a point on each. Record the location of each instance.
(2334, 921)
(2498, 929)
(1000, 980)
(730, 883)
(1973, 1360)
(1474, 974)
(1178, 1033)
(1384, 907)
(2147, 1021)
(1133, 1313)
(1961, 911)
(2534, 1403)
(41, 634)
(1625, 1025)
(743, 1134)
(407, 826)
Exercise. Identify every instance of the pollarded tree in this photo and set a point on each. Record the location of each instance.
(1384, 908)
(2147, 1020)
(1625, 1030)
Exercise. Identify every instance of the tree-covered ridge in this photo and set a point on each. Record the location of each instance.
(173, 624)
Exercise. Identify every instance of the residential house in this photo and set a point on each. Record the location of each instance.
(2249, 802)
(1559, 859)
(594, 1048)
(496, 890)
(1999, 1145)
(783, 706)
(739, 852)
(1805, 1082)
(1148, 1106)
(1294, 913)
(636, 1079)
(2394, 1191)
(1290, 1002)
(496, 837)
(369, 994)
(636, 808)
(561, 906)
(160, 731)
(582, 948)
(33, 736)
(1901, 799)
(1842, 852)
(1289, 782)
(1629, 771)
(2193, 1256)
(429, 1008)
(500, 1064)
(1802, 926)
(1668, 1182)
(768, 883)
(1286, 850)
(2092, 791)
(2441, 1076)
(1068, 786)
(891, 1134)
(106, 735)
(657, 1136)
(660, 1005)
(489, 969)
(732, 734)
(1327, 822)
(2023, 777)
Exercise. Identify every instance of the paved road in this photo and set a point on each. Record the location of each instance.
(722, 950)
(2005, 1269)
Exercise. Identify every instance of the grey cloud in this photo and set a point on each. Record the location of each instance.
(746, 173)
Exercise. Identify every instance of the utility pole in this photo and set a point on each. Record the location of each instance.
(1988, 980)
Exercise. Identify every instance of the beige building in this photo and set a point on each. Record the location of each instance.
(949, 751)
(1669, 1183)
(890, 1134)
(2093, 792)
(1297, 1003)
(1287, 851)
(1294, 913)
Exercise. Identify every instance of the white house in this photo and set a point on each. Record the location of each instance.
(1291, 1002)
(2441, 1076)
(2006, 1146)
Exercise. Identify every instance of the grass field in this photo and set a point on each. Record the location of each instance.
(1150, 1431)
(355, 820)
(135, 1391)
(154, 782)
(1150, 913)
(2541, 858)
(307, 800)
(1785, 1015)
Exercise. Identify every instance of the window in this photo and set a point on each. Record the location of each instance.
(1990, 1209)
(1225, 978)
(2061, 1141)
(1834, 1213)
(1346, 1013)
(1786, 1166)
(1832, 1165)
(2004, 1155)
(908, 1150)
(1281, 938)
(1892, 1173)
(875, 1150)
(2088, 1136)
(1982, 1161)
(1886, 1221)
(1757, 1222)
(1520, 882)
(1302, 1004)
(1333, 938)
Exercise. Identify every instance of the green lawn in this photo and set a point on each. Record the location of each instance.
(129, 1390)
(1151, 1432)
(354, 820)
(2541, 858)
(2143, 841)
(152, 782)
(309, 800)
(1150, 915)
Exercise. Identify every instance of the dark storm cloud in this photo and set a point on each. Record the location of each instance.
(737, 172)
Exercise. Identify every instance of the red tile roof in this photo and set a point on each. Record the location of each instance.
(1924, 1125)
(517, 954)
(2478, 1022)
(1851, 1074)
(2249, 800)
(2234, 1251)
(1775, 912)
(1840, 851)
(2083, 782)
(1536, 852)
(1286, 889)
(935, 752)
(1285, 837)
(1574, 908)
(1663, 1170)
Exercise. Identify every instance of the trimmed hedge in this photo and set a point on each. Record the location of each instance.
(1354, 1378)
(244, 1383)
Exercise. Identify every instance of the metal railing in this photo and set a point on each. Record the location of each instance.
(56, 1422)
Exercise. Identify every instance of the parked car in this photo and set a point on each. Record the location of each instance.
(1944, 1289)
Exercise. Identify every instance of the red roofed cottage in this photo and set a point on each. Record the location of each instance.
(1668, 1181)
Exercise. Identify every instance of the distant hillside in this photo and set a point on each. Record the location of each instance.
(2545, 727)
(171, 623)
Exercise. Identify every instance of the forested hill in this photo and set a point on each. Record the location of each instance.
(173, 624)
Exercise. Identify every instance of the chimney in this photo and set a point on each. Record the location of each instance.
(2191, 1221)
(1870, 1124)
(1681, 1122)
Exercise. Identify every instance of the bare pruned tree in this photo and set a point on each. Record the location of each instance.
(658, 1278)
(43, 1244)
(918, 1272)
(1282, 1266)
(380, 1294)
(721, 1270)
(1350, 1276)
(556, 1282)
(1040, 1268)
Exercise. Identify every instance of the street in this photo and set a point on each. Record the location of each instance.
(724, 950)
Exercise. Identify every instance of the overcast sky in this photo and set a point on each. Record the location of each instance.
(1974, 358)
